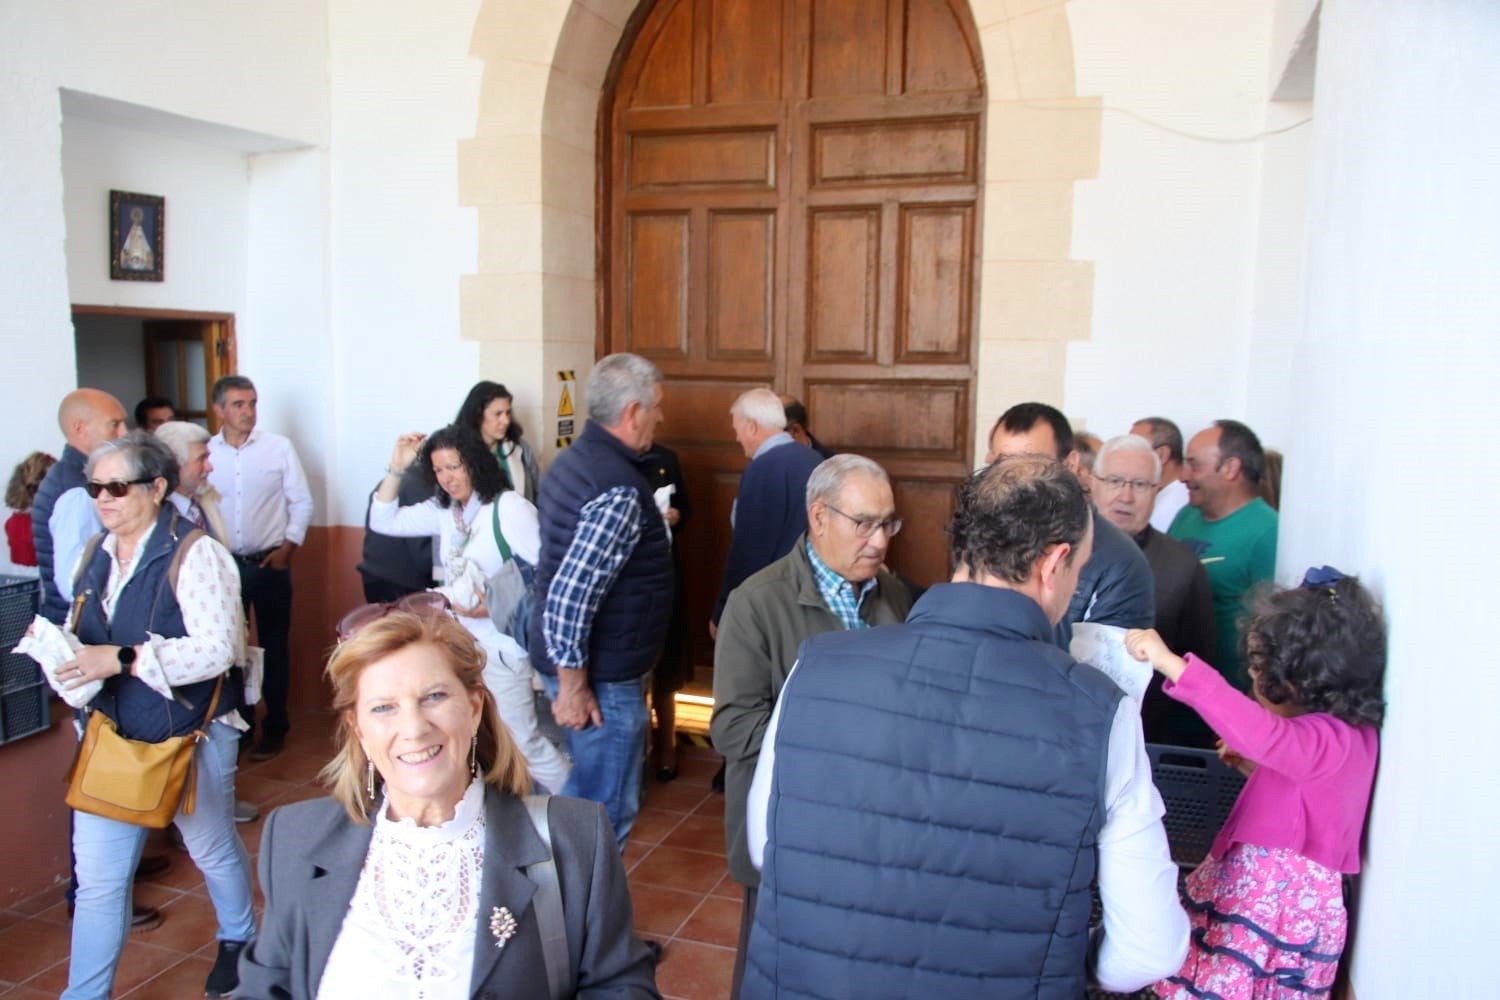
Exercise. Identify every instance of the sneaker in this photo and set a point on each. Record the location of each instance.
(245, 812)
(225, 975)
(268, 747)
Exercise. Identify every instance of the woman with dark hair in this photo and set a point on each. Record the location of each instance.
(487, 412)
(430, 871)
(480, 523)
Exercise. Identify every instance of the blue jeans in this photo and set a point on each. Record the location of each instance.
(607, 760)
(108, 851)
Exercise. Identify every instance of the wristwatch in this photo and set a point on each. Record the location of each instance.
(126, 657)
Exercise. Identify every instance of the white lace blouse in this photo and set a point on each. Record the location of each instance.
(409, 933)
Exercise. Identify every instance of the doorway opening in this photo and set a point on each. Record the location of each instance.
(173, 354)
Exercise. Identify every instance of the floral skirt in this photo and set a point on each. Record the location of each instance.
(1267, 924)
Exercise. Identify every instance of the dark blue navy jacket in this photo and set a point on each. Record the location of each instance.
(631, 622)
(935, 809)
(1115, 586)
(66, 474)
(147, 604)
(770, 513)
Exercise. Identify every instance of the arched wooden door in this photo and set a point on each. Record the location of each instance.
(792, 199)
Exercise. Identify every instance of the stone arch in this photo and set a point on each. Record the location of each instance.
(531, 173)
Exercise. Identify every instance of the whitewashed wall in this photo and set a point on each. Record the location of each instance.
(1173, 224)
(1395, 377)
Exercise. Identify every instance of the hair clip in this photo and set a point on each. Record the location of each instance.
(1322, 578)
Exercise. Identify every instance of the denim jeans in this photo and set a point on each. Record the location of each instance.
(108, 851)
(607, 760)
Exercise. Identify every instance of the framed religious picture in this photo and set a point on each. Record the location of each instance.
(137, 236)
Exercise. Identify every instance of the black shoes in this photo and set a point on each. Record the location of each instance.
(225, 975)
(666, 774)
(269, 746)
(718, 781)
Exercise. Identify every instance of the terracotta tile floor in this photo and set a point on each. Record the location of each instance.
(675, 862)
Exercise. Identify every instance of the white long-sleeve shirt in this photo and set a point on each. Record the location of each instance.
(263, 493)
(1145, 928)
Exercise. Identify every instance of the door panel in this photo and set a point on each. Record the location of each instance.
(792, 199)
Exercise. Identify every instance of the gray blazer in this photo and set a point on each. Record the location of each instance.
(310, 860)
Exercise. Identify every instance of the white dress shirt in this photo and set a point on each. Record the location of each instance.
(1169, 500)
(1145, 928)
(263, 492)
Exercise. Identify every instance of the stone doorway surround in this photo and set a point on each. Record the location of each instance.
(531, 173)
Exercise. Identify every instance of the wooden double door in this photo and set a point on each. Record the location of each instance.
(793, 200)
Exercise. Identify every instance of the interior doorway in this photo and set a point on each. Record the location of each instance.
(791, 196)
(169, 353)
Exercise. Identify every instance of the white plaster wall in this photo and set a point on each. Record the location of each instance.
(258, 66)
(206, 191)
(1397, 364)
(1171, 223)
(404, 92)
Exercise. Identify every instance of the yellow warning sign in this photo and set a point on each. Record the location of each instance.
(565, 405)
(565, 375)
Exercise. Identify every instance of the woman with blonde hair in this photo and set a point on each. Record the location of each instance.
(429, 872)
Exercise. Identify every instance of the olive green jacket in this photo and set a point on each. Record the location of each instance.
(764, 623)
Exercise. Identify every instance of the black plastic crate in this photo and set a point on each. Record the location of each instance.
(18, 604)
(17, 670)
(1198, 791)
(23, 712)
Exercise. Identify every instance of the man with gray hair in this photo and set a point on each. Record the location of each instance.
(832, 579)
(1171, 495)
(604, 587)
(1126, 473)
(196, 500)
(768, 513)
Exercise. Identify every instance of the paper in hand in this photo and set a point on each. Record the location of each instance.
(52, 647)
(1103, 648)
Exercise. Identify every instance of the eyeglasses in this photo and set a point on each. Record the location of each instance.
(1134, 485)
(423, 604)
(114, 487)
(864, 527)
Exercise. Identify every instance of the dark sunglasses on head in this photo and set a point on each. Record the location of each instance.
(114, 487)
(424, 604)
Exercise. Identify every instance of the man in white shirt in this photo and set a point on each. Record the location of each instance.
(266, 506)
(1166, 441)
(933, 799)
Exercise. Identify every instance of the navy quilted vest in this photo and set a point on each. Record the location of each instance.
(935, 811)
(631, 622)
(147, 604)
(66, 474)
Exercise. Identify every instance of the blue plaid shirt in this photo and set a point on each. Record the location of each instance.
(609, 526)
(838, 593)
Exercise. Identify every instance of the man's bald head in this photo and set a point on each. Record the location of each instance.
(90, 417)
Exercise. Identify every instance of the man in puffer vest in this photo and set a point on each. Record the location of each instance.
(934, 799)
(604, 587)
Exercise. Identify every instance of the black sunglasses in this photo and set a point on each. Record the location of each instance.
(114, 488)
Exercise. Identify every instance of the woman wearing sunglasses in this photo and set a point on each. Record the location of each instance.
(470, 496)
(428, 873)
(158, 653)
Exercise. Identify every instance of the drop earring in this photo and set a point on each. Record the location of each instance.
(474, 756)
(370, 779)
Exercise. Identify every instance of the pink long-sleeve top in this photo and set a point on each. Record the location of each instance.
(1311, 787)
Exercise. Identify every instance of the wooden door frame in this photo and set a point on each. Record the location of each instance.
(229, 360)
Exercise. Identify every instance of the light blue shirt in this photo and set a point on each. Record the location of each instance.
(73, 522)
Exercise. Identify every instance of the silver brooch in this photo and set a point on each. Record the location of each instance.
(502, 925)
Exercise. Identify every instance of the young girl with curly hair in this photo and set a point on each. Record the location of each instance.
(1267, 905)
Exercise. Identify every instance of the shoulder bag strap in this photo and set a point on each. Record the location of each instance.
(548, 905)
(499, 535)
(89, 548)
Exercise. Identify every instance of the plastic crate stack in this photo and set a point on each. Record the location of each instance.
(1198, 791)
(23, 693)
